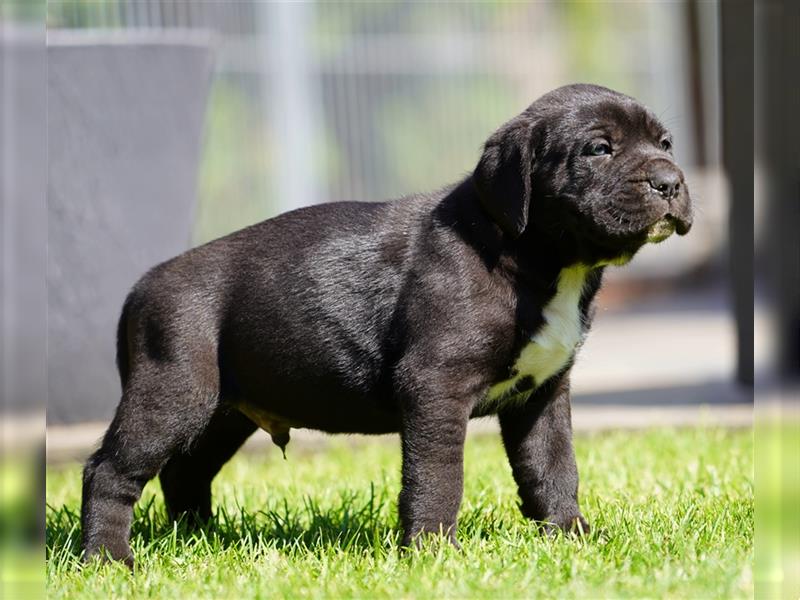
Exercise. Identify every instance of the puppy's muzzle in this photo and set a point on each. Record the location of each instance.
(666, 180)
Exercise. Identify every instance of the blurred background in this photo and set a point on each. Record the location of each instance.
(172, 122)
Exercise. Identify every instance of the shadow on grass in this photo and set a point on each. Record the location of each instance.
(352, 524)
(355, 523)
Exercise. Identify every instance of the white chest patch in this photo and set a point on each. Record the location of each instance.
(552, 346)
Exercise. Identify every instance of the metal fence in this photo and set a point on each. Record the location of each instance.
(349, 100)
(315, 102)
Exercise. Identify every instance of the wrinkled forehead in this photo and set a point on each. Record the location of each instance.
(618, 117)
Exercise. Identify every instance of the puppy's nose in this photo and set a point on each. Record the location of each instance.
(665, 179)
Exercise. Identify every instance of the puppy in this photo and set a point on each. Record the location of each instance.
(408, 316)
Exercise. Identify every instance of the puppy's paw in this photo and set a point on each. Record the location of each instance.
(575, 525)
(110, 554)
(424, 538)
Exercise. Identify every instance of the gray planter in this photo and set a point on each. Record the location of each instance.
(23, 220)
(125, 115)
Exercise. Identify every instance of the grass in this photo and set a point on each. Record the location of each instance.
(672, 512)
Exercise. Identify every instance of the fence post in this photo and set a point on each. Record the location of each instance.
(290, 101)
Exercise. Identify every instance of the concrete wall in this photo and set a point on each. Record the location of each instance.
(125, 131)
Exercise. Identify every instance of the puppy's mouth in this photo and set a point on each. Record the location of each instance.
(613, 231)
(660, 230)
(665, 227)
(654, 233)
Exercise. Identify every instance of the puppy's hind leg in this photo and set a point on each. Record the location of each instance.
(187, 476)
(165, 407)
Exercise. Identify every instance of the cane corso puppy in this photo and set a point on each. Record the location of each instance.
(409, 316)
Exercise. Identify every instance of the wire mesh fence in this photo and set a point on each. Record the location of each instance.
(363, 101)
(325, 101)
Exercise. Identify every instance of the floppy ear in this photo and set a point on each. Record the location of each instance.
(503, 179)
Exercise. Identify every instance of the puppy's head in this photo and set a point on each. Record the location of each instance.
(587, 164)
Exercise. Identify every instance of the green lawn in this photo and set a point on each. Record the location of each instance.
(672, 512)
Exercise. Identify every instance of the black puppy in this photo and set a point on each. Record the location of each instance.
(412, 315)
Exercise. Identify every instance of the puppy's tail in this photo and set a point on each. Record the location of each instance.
(123, 349)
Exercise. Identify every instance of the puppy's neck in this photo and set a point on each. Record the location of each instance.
(536, 256)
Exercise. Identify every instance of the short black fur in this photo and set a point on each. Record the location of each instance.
(387, 317)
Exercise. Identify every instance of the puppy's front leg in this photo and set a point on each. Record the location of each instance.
(538, 440)
(433, 433)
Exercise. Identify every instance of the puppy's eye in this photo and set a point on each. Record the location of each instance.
(666, 145)
(598, 148)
